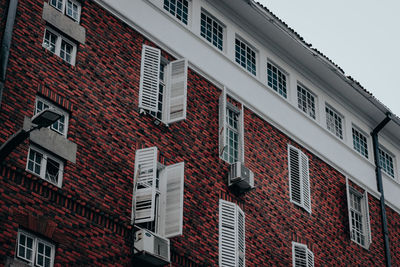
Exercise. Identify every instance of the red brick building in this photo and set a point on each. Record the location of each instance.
(207, 127)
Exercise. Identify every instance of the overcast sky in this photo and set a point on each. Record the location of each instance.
(361, 36)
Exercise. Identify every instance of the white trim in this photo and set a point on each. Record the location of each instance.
(63, 10)
(307, 252)
(59, 40)
(60, 110)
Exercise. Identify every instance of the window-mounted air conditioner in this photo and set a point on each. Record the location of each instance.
(151, 248)
(240, 177)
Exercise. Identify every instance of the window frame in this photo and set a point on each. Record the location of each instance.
(63, 10)
(226, 155)
(35, 248)
(308, 252)
(60, 110)
(57, 50)
(381, 150)
(175, 15)
(315, 101)
(342, 122)
(219, 23)
(250, 47)
(283, 72)
(43, 165)
(361, 134)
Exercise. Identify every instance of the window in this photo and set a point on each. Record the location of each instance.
(299, 178)
(71, 8)
(163, 86)
(302, 256)
(386, 162)
(59, 45)
(212, 30)
(305, 100)
(158, 194)
(230, 130)
(34, 250)
(45, 166)
(60, 126)
(232, 238)
(245, 56)
(277, 79)
(357, 203)
(334, 122)
(178, 8)
(360, 142)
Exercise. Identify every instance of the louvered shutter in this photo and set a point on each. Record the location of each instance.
(295, 176)
(349, 207)
(149, 78)
(241, 237)
(367, 221)
(177, 91)
(305, 177)
(299, 255)
(241, 135)
(227, 234)
(144, 194)
(173, 197)
(310, 258)
(222, 122)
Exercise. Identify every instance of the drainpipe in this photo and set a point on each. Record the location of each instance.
(6, 43)
(378, 172)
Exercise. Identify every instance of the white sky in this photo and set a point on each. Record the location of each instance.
(360, 36)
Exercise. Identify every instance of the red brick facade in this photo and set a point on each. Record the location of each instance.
(89, 217)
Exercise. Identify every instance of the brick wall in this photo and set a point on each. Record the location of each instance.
(89, 217)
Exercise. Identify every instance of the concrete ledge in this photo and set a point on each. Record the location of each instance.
(64, 23)
(52, 141)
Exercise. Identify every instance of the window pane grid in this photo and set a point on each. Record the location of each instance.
(306, 101)
(334, 122)
(50, 40)
(211, 30)
(34, 250)
(72, 10)
(57, 4)
(360, 143)
(59, 125)
(276, 79)
(357, 231)
(66, 51)
(232, 136)
(25, 247)
(386, 162)
(245, 56)
(178, 9)
(34, 161)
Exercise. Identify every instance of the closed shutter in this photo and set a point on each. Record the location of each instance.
(177, 91)
(295, 176)
(222, 122)
(299, 255)
(306, 181)
(144, 193)
(149, 78)
(173, 197)
(241, 135)
(367, 221)
(227, 234)
(241, 237)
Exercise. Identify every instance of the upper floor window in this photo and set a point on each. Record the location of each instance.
(212, 30)
(178, 8)
(59, 45)
(360, 142)
(302, 256)
(334, 121)
(386, 161)
(306, 100)
(71, 8)
(277, 79)
(163, 86)
(61, 125)
(245, 56)
(34, 250)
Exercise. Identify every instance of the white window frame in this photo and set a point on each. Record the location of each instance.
(43, 165)
(219, 23)
(309, 255)
(63, 10)
(366, 227)
(59, 110)
(59, 40)
(303, 182)
(308, 110)
(36, 240)
(250, 47)
(342, 123)
(284, 73)
(383, 150)
(356, 131)
(175, 15)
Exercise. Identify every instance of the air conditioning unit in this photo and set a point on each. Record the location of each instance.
(151, 248)
(240, 177)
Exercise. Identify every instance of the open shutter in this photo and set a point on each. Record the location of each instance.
(227, 234)
(174, 176)
(241, 237)
(177, 91)
(295, 176)
(144, 193)
(367, 221)
(310, 258)
(149, 78)
(222, 122)
(349, 208)
(241, 135)
(305, 177)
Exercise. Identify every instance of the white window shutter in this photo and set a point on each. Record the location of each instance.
(241, 237)
(349, 207)
(299, 255)
(143, 204)
(305, 176)
(310, 258)
(222, 122)
(173, 197)
(241, 135)
(295, 183)
(227, 234)
(149, 78)
(367, 221)
(177, 90)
